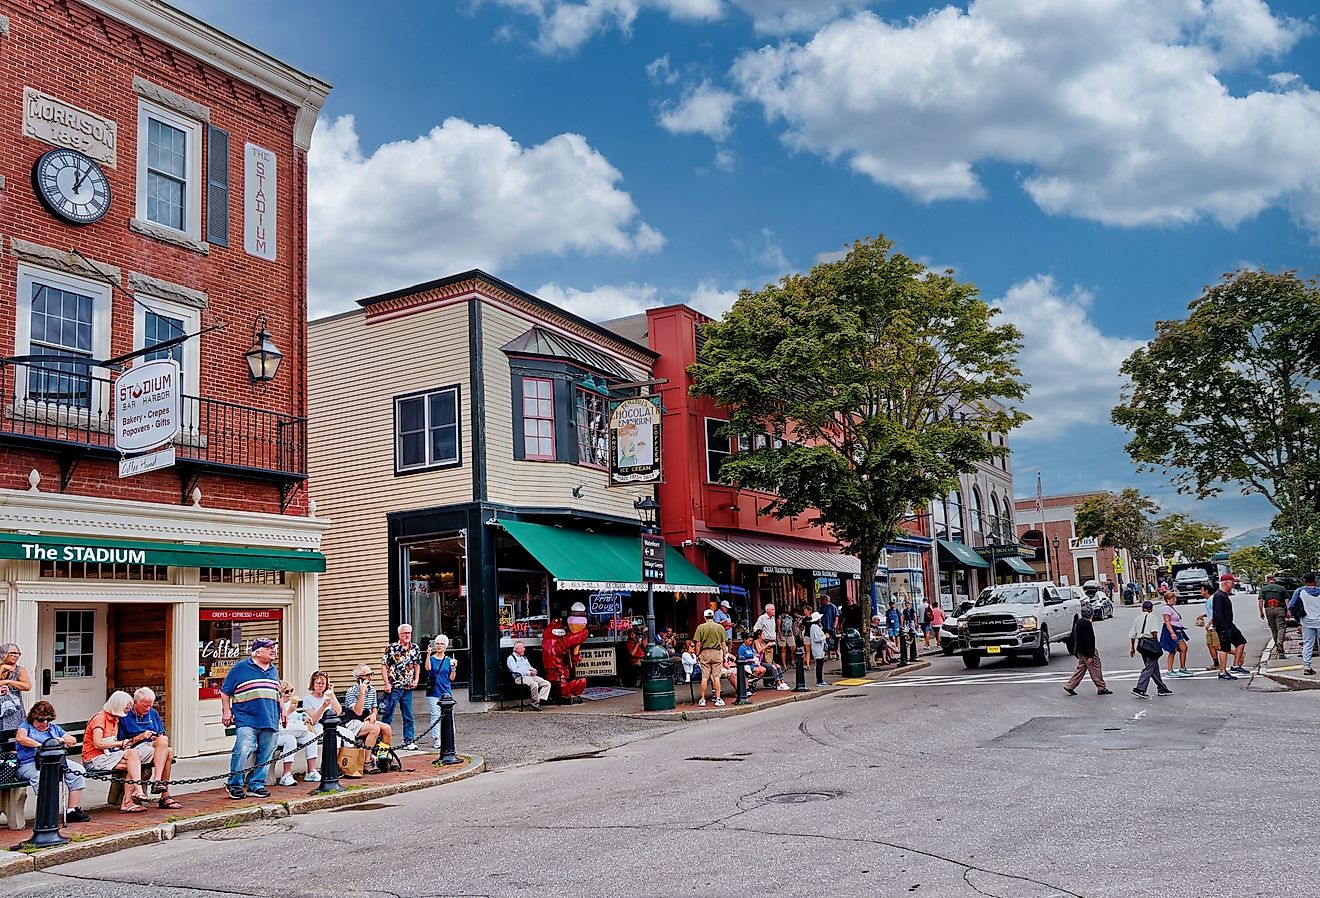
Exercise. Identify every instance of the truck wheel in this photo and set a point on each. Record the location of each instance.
(1042, 654)
(949, 648)
(971, 662)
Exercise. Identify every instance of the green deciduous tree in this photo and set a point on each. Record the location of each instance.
(1253, 563)
(1296, 547)
(876, 382)
(1120, 521)
(1196, 540)
(1231, 395)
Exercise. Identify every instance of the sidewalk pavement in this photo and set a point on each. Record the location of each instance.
(630, 704)
(1287, 671)
(110, 831)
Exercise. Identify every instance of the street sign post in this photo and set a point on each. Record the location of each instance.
(653, 558)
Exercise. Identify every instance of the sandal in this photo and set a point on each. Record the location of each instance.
(159, 788)
(167, 802)
(133, 809)
(141, 800)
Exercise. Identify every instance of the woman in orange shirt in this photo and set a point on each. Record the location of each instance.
(104, 750)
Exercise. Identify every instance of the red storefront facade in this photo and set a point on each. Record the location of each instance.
(755, 557)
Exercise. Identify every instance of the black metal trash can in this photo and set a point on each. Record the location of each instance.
(852, 651)
(657, 680)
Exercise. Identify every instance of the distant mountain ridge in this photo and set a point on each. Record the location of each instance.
(1251, 537)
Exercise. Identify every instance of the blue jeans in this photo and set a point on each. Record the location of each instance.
(402, 699)
(1310, 636)
(433, 704)
(249, 741)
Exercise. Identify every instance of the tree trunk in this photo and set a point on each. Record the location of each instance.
(870, 559)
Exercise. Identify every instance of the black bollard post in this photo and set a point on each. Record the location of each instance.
(46, 826)
(799, 661)
(742, 698)
(447, 754)
(329, 753)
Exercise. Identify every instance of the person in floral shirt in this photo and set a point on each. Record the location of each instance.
(400, 666)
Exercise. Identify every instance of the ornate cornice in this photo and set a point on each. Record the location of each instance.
(116, 518)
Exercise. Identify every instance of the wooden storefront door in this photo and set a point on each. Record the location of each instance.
(140, 651)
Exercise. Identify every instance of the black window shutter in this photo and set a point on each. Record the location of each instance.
(217, 186)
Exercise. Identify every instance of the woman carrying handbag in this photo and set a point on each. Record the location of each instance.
(1145, 638)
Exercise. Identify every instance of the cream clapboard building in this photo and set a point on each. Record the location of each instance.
(457, 440)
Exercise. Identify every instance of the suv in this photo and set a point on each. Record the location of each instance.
(1018, 619)
(1187, 580)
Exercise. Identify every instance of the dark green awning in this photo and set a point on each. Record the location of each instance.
(1017, 565)
(44, 547)
(599, 561)
(963, 555)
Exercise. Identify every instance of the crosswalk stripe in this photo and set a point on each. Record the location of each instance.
(1040, 678)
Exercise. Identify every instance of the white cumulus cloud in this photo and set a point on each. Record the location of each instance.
(1071, 365)
(703, 109)
(461, 196)
(603, 302)
(1114, 110)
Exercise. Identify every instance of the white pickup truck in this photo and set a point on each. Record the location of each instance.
(1018, 619)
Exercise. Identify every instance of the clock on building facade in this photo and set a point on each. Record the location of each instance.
(72, 186)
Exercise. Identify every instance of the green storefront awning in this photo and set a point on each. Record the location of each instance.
(964, 555)
(598, 561)
(43, 547)
(1017, 565)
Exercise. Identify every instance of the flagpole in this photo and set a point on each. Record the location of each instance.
(1044, 537)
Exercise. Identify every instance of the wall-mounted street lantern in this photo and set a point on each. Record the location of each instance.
(264, 357)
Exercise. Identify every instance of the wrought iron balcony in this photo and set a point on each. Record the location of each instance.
(62, 408)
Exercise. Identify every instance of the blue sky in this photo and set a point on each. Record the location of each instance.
(1088, 164)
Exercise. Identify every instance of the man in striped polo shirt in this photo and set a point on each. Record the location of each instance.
(250, 701)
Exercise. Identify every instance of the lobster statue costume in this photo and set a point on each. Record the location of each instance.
(559, 655)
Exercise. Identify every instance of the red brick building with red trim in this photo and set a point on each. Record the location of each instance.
(154, 189)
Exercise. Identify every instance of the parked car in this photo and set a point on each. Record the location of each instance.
(1102, 607)
(949, 629)
(1188, 577)
(1018, 619)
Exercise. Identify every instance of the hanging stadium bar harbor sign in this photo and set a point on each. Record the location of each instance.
(148, 414)
(635, 440)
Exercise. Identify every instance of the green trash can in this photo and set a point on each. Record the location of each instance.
(853, 654)
(657, 681)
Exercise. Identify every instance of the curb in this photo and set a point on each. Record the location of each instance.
(712, 713)
(16, 863)
(1289, 681)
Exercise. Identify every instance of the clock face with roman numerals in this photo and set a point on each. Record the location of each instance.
(72, 186)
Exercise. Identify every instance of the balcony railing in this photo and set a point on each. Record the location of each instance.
(62, 406)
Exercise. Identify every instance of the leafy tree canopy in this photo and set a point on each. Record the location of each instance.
(1253, 563)
(1295, 547)
(1231, 395)
(863, 388)
(1196, 540)
(1120, 521)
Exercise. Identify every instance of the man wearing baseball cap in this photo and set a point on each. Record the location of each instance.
(250, 702)
(1231, 641)
(724, 617)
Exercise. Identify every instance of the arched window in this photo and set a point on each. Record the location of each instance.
(978, 512)
(956, 516)
(939, 518)
(996, 521)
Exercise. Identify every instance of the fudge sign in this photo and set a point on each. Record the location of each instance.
(147, 406)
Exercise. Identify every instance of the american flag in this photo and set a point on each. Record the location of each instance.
(1040, 502)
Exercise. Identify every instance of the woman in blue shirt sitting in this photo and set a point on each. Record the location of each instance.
(40, 726)
(443, 670)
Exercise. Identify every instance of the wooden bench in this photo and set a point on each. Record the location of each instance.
(13, 791)
(512, 687)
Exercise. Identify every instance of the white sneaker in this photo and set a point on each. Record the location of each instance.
(411, 746)
(719, 703)
(782, 687)
(702, 703)
(288, 780)
(313, 776)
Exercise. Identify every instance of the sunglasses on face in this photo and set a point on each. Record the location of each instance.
(43, 719)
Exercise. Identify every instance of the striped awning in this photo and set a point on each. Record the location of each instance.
(786, 559)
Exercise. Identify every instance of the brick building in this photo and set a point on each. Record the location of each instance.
(153, 176)
(1072, 559)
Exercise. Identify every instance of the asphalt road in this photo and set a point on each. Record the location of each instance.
(936, 785)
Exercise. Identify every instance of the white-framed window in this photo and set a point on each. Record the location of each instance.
(158, 320)
(718, 448)
(426, 430)
(169, 169)
(65, 315)
(538, 413)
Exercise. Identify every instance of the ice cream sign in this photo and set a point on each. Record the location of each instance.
(147, 406)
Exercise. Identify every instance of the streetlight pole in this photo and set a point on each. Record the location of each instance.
(1058, 570)
(649, 511)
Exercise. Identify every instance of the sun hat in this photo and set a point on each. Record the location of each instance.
(815, 616)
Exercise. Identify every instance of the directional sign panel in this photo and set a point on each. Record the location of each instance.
(653, 558)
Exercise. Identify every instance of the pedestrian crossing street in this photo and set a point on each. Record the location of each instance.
(1055, 676)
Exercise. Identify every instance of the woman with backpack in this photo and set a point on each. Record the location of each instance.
(1145, 639)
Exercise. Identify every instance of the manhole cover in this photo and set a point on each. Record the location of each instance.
(705, 758)
(798, 797)
(247, 831)
(368, 806)
(579, 756)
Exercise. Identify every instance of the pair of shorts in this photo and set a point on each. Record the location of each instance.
(110, 760)
(1212, 640)
(1231, 637)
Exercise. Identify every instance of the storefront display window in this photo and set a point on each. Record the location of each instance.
(437, 598)
(225, 638)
